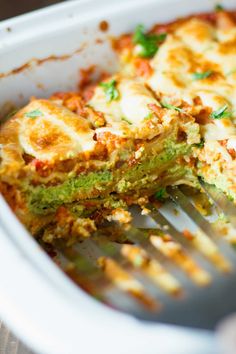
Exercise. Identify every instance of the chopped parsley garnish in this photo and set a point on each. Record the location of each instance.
(149, 43)
(148, 116)
(10, 114)
(201, 144)
(34, 114)
(160, 194)
(203, 75)
(230, 197)
(221, 113)
(219, 7)
(170, 106)
(110, 90)
(126, 120)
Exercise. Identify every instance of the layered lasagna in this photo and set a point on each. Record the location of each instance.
(167, 117)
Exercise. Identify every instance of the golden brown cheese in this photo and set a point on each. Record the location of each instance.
(55, 134)
(135, 114)
(10, 150)
(196, 46)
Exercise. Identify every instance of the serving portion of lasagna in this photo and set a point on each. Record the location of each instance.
(167, 117)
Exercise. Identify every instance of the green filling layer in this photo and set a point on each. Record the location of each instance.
(145, 172)
(220, 180)
(44, 200)
(112, 201)
(49, 198)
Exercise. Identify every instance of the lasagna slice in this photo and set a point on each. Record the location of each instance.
(65, 169)
(192, 67)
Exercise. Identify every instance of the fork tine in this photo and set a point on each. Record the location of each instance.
(137, 236)
(117, 263)
(187, 245)
(207, 229)
(219, 198)
(102, 287)
(148, 269)
(137, 273)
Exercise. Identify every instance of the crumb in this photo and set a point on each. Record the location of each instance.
(120, 215)
(176, 211)
(104, 26)
(145, 211)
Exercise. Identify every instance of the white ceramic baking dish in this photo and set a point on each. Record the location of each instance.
(37, 301)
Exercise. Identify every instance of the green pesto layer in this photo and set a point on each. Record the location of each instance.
(174, 174)
(143, 175)
(219, 178)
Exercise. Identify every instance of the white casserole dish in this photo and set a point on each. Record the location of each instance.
(37, 301)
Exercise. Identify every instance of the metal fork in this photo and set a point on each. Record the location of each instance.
(166, 274)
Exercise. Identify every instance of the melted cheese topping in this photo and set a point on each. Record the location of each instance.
(55, 133)
(132, 103)
(135, 98)
(197, 47)
(194, 46)
(131, 115)
(10, 149)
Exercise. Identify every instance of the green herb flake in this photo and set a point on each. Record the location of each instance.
(126, 120)
(34, 114)
(160, 194)
(9, 115)
(221, 113)
(230, 197)
(222, 217)
(201, 144)
(148, 116)
(110, 90)
(170, 106)
(219, 8)
(149, 43)
(203, 75)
